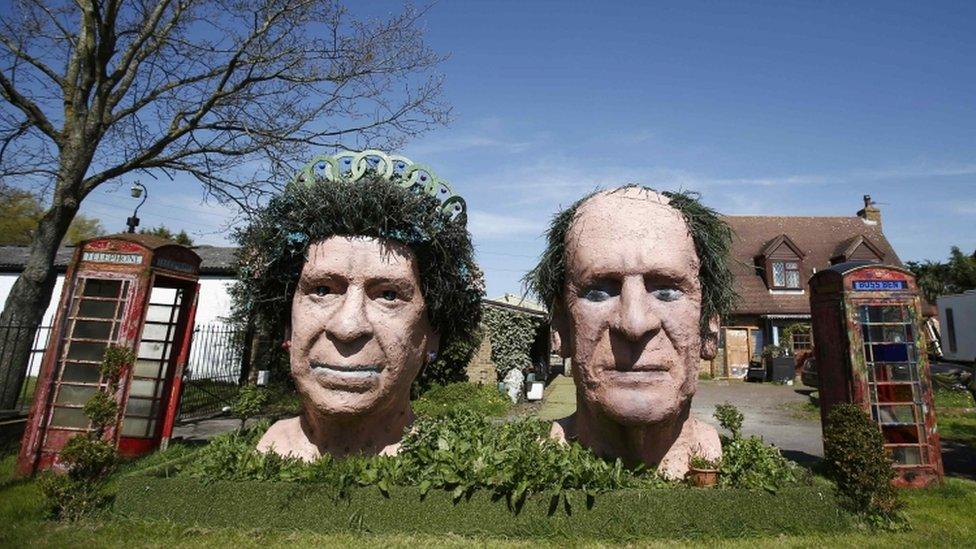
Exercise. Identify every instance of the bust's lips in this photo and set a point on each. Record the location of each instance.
(641, 367)
(351, 371)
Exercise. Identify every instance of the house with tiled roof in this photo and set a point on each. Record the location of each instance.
(773, 258)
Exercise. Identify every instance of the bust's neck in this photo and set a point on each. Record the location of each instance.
(633, 444)
(369, 434)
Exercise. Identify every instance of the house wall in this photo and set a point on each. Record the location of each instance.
(7, 282)
(964, 319)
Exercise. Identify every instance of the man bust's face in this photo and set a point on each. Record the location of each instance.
(360, 330)
(631, 304)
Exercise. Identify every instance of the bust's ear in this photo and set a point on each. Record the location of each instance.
(561, 338)
(709, 341)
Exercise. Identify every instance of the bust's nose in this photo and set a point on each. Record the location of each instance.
(634, 318)
(350, 323)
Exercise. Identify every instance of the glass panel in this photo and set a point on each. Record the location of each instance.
(793, 279)
(146, 368)
(153, 350)
(90, 329)
(895, 372)
(779, 278)
(135, 427)
(144, 388)
(885, 313)
(96, 287)
(156, 331)
(86, 351)
(69, 417)
(96, 309)
(84, 373)
(75, 394)
(896, 414)
(141, 407)
(906, 455)
(900, 434)
(896, 393)
(163, 295)
(159, 313)
(890, 352)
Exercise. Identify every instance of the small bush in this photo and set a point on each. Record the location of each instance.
(730, 418)
(70, 498)
(249, 403)
(442, 400)
(856, 460)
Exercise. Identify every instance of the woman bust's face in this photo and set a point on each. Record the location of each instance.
(360, 330)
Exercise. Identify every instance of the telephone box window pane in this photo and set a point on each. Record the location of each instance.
(891, 352)
(86, 351)
(141, 407)
(96, 309)
(156, 331)
(90, 329)
(84, 373)
(894, 372)
(137, 427)
(896, 393)
(906, 455)
(69, 417)
(96, 287)
(900, 434)
(885, 313)
(896, 414)
(159, 313)
(153, 350)
(143, 388)
(146, 368)
(75, 394)
(164, 295)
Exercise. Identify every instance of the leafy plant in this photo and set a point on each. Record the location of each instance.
(89, 457)
(511, 334)
(249, 403)
(774, 351)
(442, 400)
(701, 462)
(856, 460)
(729, 418)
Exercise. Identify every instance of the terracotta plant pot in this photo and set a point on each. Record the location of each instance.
(702, 478)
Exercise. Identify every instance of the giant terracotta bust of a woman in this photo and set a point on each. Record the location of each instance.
(636, 281)
(372, 275)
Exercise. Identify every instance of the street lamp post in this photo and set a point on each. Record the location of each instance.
(138, 189)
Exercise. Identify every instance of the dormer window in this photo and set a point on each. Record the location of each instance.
(780, 263)
(786, 275)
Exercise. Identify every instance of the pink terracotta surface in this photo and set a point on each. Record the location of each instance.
(359, 336)
(629, 319)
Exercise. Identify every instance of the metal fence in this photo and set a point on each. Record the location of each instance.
(214, 369)
(21, 352)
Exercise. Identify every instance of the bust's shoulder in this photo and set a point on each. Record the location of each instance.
(705, 438)
(563, 430)
(287, 438)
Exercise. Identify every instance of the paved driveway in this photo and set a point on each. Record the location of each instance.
(771, 412)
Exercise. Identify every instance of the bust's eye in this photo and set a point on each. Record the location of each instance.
(389, 295)
(322, 291)
(596, 294)
(668, 294)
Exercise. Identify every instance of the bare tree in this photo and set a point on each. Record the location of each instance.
(232, 92)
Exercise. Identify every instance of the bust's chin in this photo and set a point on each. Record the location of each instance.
(638, 407)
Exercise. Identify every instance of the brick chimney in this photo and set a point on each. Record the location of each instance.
(870, 214)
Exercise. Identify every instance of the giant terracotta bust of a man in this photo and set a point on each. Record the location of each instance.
(372, 277)
(636, 281)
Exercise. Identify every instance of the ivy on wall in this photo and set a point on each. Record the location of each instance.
(511, 334)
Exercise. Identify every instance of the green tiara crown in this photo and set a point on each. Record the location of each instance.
(351, 166)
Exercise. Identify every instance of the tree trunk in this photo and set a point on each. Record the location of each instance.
(31, 293)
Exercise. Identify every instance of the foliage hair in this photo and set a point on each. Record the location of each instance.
(713, 244)
(274, 247)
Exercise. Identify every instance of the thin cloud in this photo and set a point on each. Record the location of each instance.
(487, 226)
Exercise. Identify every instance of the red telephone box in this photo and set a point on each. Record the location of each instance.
(129, 290)
(871, 352)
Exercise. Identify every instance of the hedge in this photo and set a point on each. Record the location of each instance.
(619, 515)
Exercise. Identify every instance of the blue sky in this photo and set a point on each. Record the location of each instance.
(792, 108)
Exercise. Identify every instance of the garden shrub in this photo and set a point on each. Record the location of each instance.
(441, 400)
(750, 462)
(88, 457)
(250, 402)
(856, 460)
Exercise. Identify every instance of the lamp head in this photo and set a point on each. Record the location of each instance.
(136, 190)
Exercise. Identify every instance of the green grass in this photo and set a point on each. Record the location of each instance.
(939, 517)
(950, 398)
(440, 400)
(807, 411)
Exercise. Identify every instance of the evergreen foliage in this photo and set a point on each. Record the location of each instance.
(511, 334)
(952, 277)
(711, 235)
(273, 250)
(856, 460)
